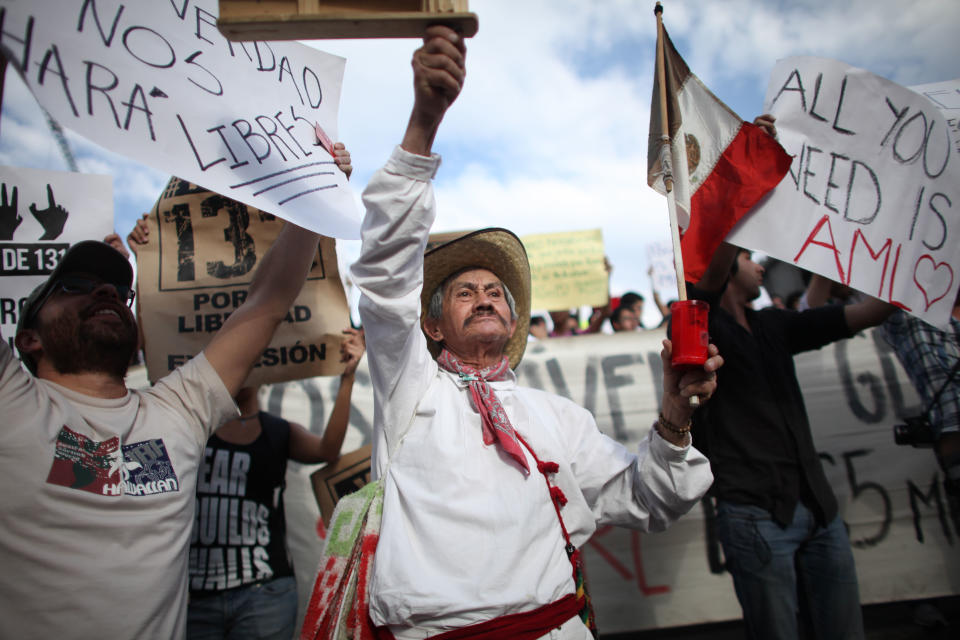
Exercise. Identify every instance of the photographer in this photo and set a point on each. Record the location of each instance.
(930, 355)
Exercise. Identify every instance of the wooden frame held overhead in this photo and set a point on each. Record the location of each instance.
(323, 19)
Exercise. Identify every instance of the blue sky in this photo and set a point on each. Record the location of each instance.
(550, 131)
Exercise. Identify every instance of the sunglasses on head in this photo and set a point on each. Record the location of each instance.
(78, 285)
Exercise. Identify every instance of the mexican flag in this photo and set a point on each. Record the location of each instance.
(721, 165)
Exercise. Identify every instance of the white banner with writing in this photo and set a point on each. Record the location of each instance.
(891, 496)
(873, 195)
(157, 82)
(42, 213)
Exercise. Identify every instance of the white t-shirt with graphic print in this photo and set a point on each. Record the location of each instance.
(97, 502)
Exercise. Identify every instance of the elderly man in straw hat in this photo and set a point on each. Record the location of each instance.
(490, 487)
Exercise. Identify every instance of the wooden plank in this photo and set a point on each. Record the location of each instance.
(277, 8)
(323, 19)
(452, 6)
(381, 25)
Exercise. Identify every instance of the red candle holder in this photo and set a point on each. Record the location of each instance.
(689, 333)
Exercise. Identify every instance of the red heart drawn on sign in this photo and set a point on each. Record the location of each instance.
(932, 279)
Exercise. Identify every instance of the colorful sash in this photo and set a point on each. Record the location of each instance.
(339, 605)
(527, 625)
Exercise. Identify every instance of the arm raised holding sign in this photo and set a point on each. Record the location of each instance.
(247, 332)
(76, 337)
(446, 327)
(758, 429)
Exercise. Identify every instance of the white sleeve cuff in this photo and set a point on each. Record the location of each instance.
(413, 166)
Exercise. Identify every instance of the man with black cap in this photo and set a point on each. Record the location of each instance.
(97, 507)
(490, 487)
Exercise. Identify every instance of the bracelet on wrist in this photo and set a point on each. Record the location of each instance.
(669, 426)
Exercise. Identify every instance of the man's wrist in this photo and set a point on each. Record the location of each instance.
(676, 434)
(676, 415)
(421, 131)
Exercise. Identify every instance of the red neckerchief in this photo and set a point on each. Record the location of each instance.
(493, 418)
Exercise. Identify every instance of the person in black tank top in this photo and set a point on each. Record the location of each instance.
(241, 577)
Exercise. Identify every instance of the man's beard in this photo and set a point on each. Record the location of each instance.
(74, 346)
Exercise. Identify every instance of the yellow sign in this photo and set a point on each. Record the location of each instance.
(567, 269)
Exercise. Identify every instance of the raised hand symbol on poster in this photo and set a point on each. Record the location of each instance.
(52, 218)
(9, 218)
(872, 197)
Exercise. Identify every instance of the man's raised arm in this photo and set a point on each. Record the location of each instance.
(276, 283)
(867, 313)
(719, 268)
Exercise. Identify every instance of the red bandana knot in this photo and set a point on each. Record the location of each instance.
(496, 425)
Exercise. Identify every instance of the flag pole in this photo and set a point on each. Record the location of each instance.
(666, 160)
(666, 163)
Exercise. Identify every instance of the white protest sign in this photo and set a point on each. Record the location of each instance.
(157, 82)
(42, 213)
(872, 196)
(664, 277)
(946, 96)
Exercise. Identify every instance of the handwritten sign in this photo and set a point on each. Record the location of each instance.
(946, 96)
(41, 214)
(873, 196)
(566, 269)
(196, 270)
(157, 82)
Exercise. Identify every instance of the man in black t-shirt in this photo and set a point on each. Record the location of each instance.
(777, 517)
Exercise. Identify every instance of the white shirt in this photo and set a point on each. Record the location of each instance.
(98, 501)
(466, 535)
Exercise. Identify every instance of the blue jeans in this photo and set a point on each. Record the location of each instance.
(780, 572)
(267, 610)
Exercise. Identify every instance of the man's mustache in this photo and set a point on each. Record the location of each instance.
(479, 313)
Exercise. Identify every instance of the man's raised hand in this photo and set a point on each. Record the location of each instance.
(439, 69)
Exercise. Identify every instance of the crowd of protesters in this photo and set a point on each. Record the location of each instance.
(102, 518)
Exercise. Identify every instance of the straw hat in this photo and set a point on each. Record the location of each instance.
(496, 250)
